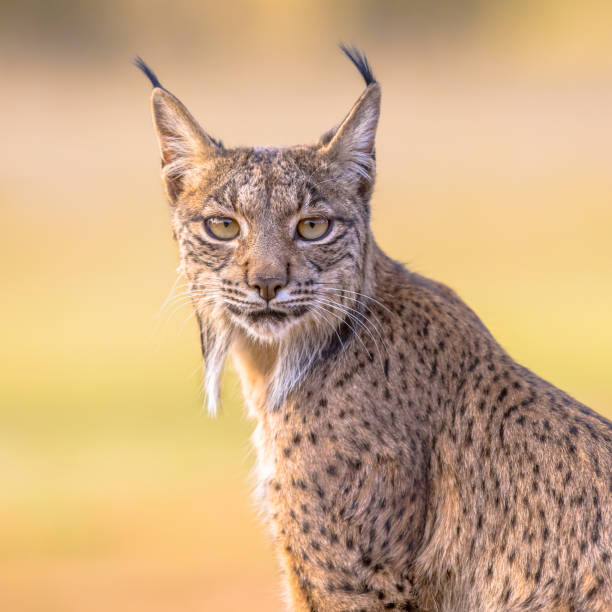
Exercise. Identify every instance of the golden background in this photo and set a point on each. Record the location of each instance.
(495, 176)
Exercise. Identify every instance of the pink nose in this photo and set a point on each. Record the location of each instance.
(267, 286)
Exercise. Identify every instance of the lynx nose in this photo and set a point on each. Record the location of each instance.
(268, 286)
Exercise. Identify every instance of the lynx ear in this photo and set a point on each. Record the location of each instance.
(351, 146)
(185, 147)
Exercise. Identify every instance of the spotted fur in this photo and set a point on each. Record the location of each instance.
(405, 461)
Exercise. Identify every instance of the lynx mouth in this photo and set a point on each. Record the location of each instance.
(268, 315)
(277, 315)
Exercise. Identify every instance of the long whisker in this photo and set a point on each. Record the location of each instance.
(163, 324)
(359, 312)
(174, 287)
(315, 311)
(192, 292)
(188, 318)
(189, 297)
(327, 180)
(342, 309)
(363, 322)
(331, 287)
(362, 295)
(368, 310)
(347, 323)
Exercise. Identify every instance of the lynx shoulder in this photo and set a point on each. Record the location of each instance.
(404, 460)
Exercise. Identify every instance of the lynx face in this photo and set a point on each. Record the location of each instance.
(274, 242)
(271, 240)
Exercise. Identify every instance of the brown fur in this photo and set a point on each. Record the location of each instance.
(405, 461)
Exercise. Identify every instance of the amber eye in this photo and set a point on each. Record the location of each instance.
(313, 228)
(222, 228)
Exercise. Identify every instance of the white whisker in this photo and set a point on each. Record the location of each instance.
(362, 320)
(322, 306)
(357, 322)
(361, 314)
(330, 287)
(334, 329)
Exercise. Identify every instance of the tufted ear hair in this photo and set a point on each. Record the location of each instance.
(350, 146)
(186, 149)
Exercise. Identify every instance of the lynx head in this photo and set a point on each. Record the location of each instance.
(274, 242)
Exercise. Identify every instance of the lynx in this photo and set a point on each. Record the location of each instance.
(404, 460)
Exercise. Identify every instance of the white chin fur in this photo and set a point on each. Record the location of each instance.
(266, 331)
(297, 354)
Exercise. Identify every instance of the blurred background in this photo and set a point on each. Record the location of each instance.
(117, 492)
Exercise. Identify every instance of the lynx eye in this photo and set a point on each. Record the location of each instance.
(222, 228)
(313, 228)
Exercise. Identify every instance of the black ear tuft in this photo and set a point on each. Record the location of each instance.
(140, 63)
(360, 61)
